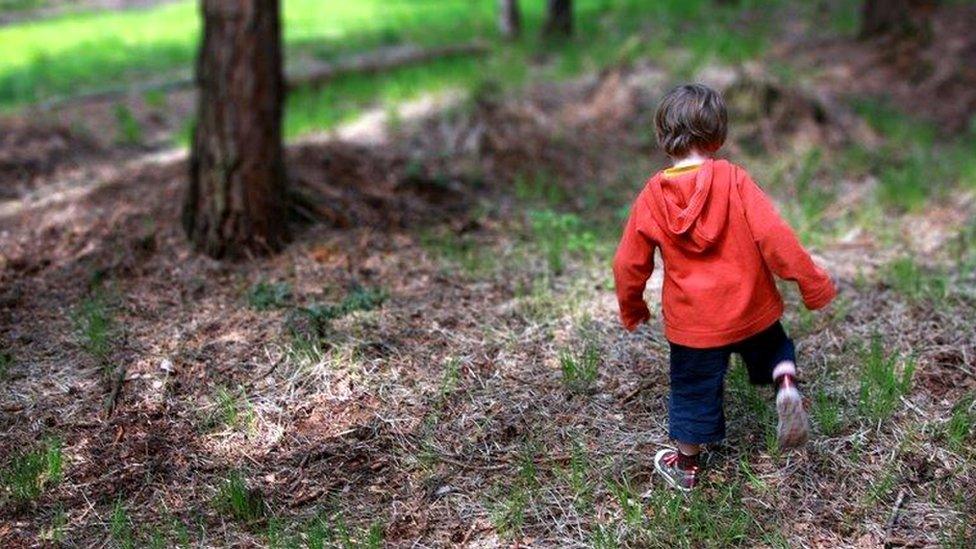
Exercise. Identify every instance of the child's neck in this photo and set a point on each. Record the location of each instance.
(693, 158)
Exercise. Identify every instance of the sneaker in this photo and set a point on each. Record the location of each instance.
(792, 430)
(666, 464)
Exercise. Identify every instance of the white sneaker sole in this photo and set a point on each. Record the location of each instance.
(792, 430)
(660, 470)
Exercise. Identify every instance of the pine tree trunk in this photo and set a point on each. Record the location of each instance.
(509, 18)
(235, 204)
(559, 18)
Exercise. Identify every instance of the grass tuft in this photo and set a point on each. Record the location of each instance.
(95, 328)
(580, 369)
(120, 527)
(238, 502)
(827, 413)
(28, 474)
(560, 234)
(961, 427)
(129, 129)
(265, 296)
(908, 278)
(885, 378)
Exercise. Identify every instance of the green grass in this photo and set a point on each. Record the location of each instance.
(514, 499)
(95, 327)
(464, 251)
(914, 164)
(28, 474)
(580, 368)
(265, 296)
(121, 527)
(908, 278)
(9, 6)
(327, 531)
(238, 502)
(885, 378)
(559, 235)
(711, 516)
(313, 322)
(129, 129)
(757, 402)
(81, 51)
(233, 410)
(6, 361)
(960, 430)
(827, 413)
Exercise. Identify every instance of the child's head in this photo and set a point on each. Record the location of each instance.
(691, 118)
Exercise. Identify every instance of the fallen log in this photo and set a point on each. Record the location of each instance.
(315, 75)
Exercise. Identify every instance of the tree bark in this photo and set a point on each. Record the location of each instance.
(509, 19)
(235, 204)
(559, 18)
(896, 18)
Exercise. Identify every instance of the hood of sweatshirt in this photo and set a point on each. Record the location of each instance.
(692, 208)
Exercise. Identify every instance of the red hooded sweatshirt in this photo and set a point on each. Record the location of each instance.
(721, 240)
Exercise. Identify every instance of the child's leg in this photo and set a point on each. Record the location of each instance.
(771, 359)
(695, 413)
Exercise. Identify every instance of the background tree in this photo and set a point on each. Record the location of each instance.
(509, 18)
(559, 18)
(235, 204)
(896, 18)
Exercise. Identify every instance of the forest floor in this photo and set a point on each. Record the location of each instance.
(439, 361)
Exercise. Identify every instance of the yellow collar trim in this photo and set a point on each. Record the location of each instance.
(681, 170)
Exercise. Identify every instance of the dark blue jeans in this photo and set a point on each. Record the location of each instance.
(695, 408)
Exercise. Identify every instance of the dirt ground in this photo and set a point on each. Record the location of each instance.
(425, 413)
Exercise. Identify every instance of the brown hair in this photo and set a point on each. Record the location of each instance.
(691, 117)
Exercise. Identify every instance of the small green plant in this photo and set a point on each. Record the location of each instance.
(55, 532)
(630, 504)
(508, 512)
(908, 278)
(462, 250)
(120, 527)
(129, 129)
(813, 199)
(580, 369)
(602, 536)
(233, 410)
(539, 187)
(235, 500)
(155, 99)
(577, 476)
(961, 427)
(6, 361)
(325, 531)
(95, 328)
(374, 537)
(359, 299)
(558, 235)
(885, 378)
(881, 486)
(826, 412)
(264, 296)
(906, 185)
(29, 473)
(758, 406)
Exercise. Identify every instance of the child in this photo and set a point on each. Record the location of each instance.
(721, 241)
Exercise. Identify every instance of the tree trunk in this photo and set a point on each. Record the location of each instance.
(896, 18)
(559, 18)
(235, 204)
(509, 18)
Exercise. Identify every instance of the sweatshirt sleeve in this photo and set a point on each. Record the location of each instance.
(632, 266)
(781, 249)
